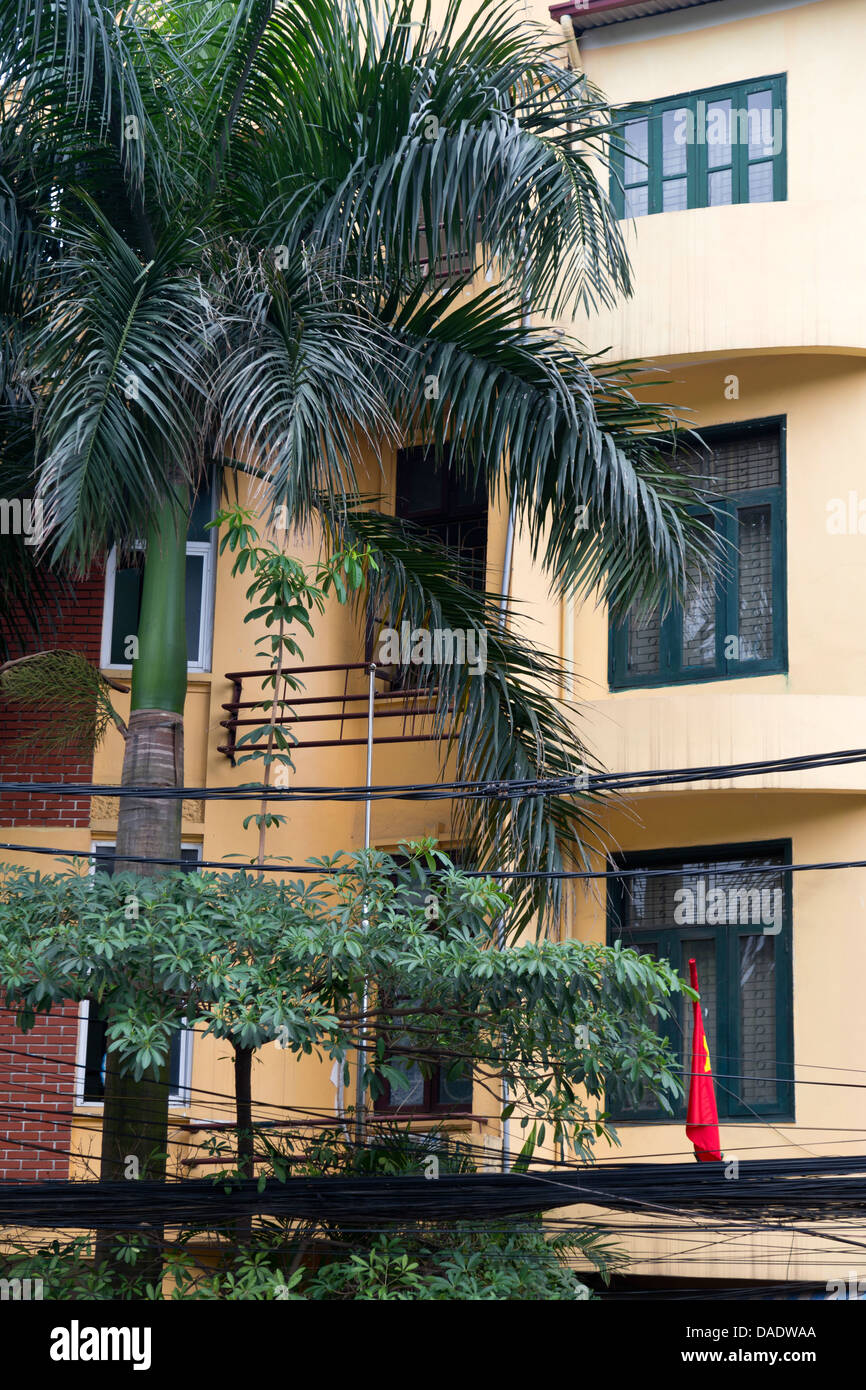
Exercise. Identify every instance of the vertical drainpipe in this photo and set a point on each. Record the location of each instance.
(503, 618)
(566, 23)
(571, 46)
(360, 1093)
(500, 930)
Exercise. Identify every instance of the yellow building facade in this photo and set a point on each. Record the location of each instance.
(756, 311)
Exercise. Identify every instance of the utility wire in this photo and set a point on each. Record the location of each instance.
(520, 875)
(565, 785)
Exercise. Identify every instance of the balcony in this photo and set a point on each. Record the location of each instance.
(331, 717)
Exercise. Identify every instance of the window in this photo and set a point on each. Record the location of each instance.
(433, 495)
(445, 1089)
(735, 626)
(717, 906)
(123, 585)
(703, 149)
(90, 1069)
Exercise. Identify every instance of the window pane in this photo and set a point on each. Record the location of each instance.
(466, 537)
(760, 183)
(125, 618)
(189, 854)
(694, 893)
(703, 953)
(623, 1098)
(409, 1091)
(699, 620)
(467, 493)
(719, 133)
(127, 606)
(194, 590)
(739, 463)
(674, 137)
(643, 644)
(637, 201)
(758, 1019)
(755, 584)
(94, 1055)
(719, 189)
(675, 195)
(202, 513)
(96, 1049)
(636, 151)
(760, 118)
(457, 1090)
(420, 482)
(718, 898)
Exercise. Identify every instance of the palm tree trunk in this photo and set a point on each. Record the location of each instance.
(135, 1116)
(244, 1109)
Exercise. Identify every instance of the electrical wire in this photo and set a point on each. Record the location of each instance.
(521, 875)
(565, 785)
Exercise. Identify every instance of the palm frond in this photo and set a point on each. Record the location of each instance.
(585, 463)
(399, 133)
(505, 722)
(299, 387)
(81, 75)
(65, 686)
(121, 356)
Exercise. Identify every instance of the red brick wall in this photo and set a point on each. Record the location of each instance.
(78, 628)
(36, 1096)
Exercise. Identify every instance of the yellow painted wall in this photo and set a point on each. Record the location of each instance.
(305, 1086)
(773, 294)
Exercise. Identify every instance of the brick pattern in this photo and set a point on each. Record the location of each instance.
(36, 1096)
(78, 628)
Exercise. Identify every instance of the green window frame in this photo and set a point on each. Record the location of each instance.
(748, 974)
(699, 150)
(733, 611)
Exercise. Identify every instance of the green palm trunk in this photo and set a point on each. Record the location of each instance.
(135, 1118)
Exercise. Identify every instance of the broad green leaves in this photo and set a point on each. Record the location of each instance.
(255, 961)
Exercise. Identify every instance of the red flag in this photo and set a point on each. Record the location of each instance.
(702, 1119)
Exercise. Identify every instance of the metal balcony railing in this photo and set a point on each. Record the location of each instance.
(347, 709)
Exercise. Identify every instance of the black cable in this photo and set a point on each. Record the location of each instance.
(766, 1190)
(565, 785)
(521, 875)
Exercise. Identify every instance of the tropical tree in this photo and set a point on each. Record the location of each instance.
(252, 960)
(249, 239)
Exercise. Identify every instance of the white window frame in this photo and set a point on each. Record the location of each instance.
(207, 549)
(179, 1099)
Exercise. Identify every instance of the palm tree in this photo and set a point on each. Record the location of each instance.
(244, 237)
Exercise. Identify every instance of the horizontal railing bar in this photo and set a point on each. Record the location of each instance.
(425, 690)
(325, 718)
(309, 670)
(336, 742)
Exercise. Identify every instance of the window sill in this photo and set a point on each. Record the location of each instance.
(668, 683)
(426, 1120)
(725, 1121)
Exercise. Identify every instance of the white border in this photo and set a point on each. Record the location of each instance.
(179, 1099)
(204, 659)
